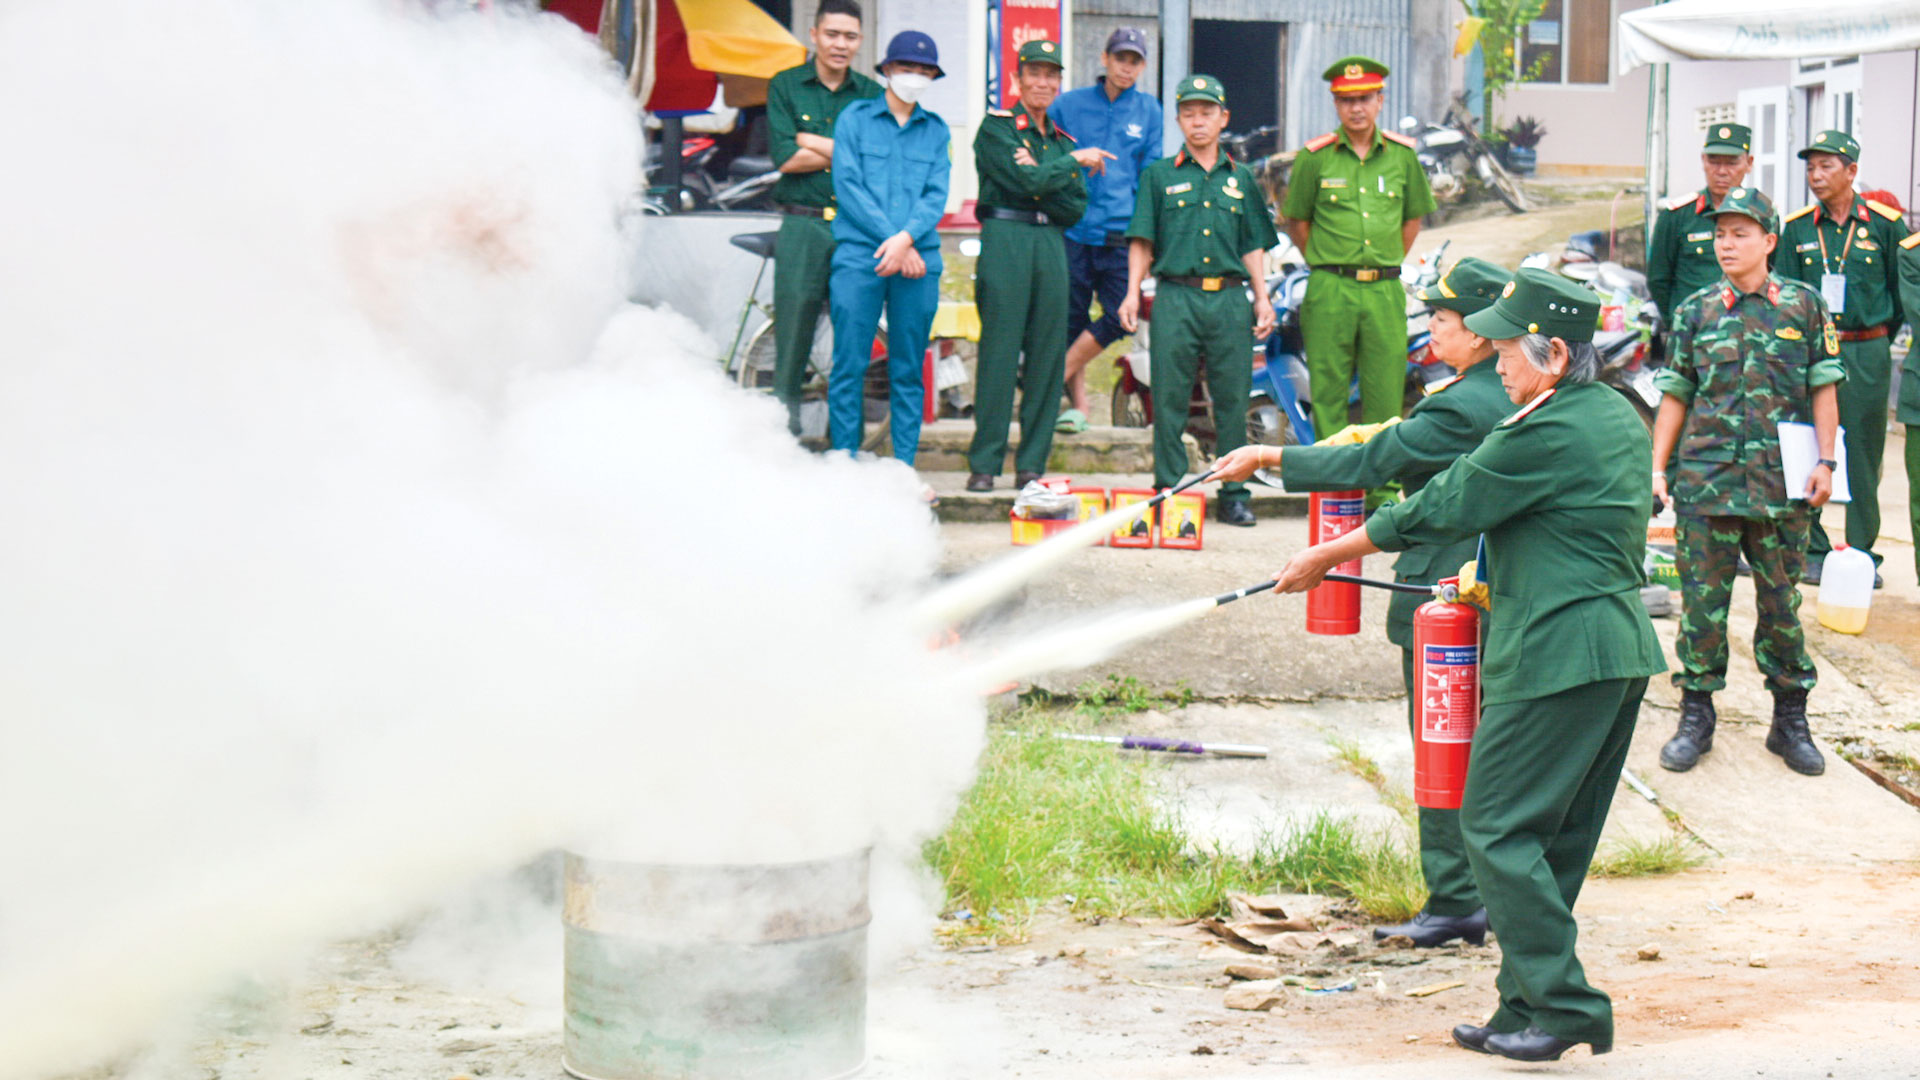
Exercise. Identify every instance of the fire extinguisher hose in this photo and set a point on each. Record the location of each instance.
(1447, 592)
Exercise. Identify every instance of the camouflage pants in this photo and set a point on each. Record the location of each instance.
(1707, 554)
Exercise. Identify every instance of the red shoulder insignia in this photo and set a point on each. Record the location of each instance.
(1529, 407)
(1394, 136)
(1021, 122)
(1678, 202)
(1773, 291)
(1323, 141)
(1062, 132)
(1180, 158)
(1726, 295)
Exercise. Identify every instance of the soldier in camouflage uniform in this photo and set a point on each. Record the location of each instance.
(1748, 353)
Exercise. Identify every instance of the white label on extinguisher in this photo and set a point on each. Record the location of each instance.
(1338, 517)
(1449, 693)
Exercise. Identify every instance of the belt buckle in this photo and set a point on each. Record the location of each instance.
(827, 212)
(1210, 284)
(1366, 273)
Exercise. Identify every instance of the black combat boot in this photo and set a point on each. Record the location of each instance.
(1790, 738)
(1695, 736)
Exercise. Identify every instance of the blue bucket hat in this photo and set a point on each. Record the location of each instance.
(916, 48)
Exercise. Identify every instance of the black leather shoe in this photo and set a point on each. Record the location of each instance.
(1022, 479)
(979, 482)
(1535, 1045)
(1235, 512)
(1789, 736)
(1430, 931)
(1472, 1038)
(1695, 736)
(1878, 581)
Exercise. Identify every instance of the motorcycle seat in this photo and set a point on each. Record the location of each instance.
(748, 165)
(755, 243)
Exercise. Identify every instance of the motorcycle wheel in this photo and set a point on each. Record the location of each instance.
(1128, 410)
(756, 368)
(1502, 183)
(1268, 426)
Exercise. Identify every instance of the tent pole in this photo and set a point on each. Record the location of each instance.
(1656, 156)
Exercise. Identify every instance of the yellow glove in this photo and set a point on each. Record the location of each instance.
(1472, 589)
(1356, 433)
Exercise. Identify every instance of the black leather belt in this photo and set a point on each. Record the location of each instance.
(807, 211)
(1206, 284)
(1363, 273)
(1031, 217)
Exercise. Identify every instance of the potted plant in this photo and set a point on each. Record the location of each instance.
(1523, 135)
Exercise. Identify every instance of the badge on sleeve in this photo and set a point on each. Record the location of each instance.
(1831, 339)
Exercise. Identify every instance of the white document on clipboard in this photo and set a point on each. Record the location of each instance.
(1800, 452)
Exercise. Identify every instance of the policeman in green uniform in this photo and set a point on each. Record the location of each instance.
(1908, 411)
(1560, 491)
(1203, 227)
(1844, 247)
(802, 104)
(1354, 204)
(1745, 355)
(1455, 416)
(1680, 260)
(1031, 189)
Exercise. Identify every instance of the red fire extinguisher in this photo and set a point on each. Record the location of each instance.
(1446, 673)
(1333, 607)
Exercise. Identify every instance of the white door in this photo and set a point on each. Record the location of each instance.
(1841, 102)
(1764, 109)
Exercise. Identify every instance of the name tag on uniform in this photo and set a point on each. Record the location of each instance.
(1333, 181)
(1697, 236)
(1178, 188)
(1791, 333)
(1811, 245)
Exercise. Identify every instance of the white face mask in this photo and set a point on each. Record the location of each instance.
(908, 85)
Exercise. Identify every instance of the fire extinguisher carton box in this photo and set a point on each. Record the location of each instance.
(1093, 503)
(1138, 533)
(1030, 531)
(1183, 518)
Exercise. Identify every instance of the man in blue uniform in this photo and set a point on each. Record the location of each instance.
(1115, 116)
(890, 164)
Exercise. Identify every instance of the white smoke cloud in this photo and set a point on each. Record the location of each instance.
(360, 540)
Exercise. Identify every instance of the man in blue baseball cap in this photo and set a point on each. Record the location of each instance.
(890, 164)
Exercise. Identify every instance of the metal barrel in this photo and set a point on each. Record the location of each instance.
(728, 972)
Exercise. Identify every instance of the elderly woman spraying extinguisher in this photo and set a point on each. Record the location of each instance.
(1442, 428)
(1560, 491)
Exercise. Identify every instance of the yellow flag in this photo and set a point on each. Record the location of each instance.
(1469, 33)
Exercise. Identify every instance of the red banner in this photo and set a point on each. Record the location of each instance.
(1022, 21)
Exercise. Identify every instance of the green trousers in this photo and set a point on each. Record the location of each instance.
(1707, 551)
(1191, 325)
(1538, 790)
(1020, 287)
(1443, 854)
(1347, 324)
(1863, 412)
(803, 261)
(1913, 489)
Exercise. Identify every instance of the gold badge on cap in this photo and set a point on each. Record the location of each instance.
(1199, 84)
(1046, 46)
(1822, 137)
(1726, 133)
(1353, 71)
(1506, 292)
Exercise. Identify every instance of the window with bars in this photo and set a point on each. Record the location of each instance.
(1709, 115)
(1572, 41)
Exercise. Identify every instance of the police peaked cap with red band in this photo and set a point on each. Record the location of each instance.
(1356, 75)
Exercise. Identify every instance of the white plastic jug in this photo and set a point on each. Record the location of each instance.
(1846, 590)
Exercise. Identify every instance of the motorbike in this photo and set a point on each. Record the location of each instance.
(745, 182)
(1451, 149)
(1631, 326)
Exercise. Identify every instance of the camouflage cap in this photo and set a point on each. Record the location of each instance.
(1040, 52)
(1200, 88)
(1468, 286)
(1833, 142)
(1539, 302)
(1753, 203)
(1728, 139)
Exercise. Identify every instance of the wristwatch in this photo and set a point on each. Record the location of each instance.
(1832, 466)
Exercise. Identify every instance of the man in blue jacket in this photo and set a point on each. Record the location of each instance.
(1110, 115)
(890, 164)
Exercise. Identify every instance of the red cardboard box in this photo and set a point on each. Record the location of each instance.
(1183, 518)
(1139, 533)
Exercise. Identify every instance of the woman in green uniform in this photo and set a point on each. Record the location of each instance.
(1448, 423)
(1561, 491)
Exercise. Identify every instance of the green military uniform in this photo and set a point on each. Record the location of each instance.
(1742, 364)
(1680, 260)
(1202, 223)
(1560, 491)
(799, 103)
(1862, 249)
(1020, 282)
(1355, 312)
(1455, 416)
(1908, 411)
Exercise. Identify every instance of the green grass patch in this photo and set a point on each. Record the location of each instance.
(1645, 858)
(1357, 762)
(1049, 820)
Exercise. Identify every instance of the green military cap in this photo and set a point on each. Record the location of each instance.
(1200, 88)
(1729, 139)
(1538, 302)
(1753, 203)
(1041, 52)
(1355, 75)
(1833, 142)
(1468, 286)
